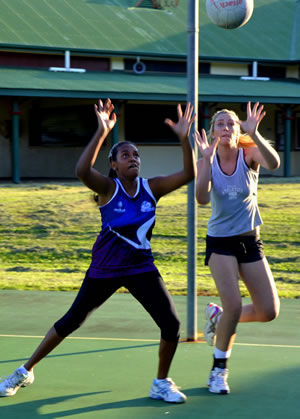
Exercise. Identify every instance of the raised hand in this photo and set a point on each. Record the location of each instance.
(183, 126)
(207, 150)
(254, 117)
(105, 116)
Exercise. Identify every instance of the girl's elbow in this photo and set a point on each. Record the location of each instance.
(80, 173)
(275, 165)
(202, 200)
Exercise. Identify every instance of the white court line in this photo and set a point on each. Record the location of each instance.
(267, 345)
(84, 338)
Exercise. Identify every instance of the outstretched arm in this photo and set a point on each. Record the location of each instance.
(162, 185)
(264, 154)
(203, 185)
(84, 169)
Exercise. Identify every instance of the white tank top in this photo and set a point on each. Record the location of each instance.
(233, 199)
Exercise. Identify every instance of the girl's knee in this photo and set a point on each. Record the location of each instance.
(170, 331)
(269, 314)
(67, 325)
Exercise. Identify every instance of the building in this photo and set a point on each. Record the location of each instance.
(58, 58)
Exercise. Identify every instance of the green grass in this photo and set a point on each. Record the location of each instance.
(47, 231)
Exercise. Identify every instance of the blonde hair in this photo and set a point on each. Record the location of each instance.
(244, 141)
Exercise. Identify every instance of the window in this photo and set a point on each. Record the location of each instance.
(272, 71)
(158, 66)
(36, 60)
(145, 123)
(204, 68)
(156, 4)
(61, 126)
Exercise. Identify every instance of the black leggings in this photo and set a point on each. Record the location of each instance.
(148, 288)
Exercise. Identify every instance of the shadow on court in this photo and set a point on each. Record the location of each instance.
(272, 397)
(5, 361)
(106, 370)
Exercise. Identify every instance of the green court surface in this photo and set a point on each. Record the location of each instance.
(105, 369)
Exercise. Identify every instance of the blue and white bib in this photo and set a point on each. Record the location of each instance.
(123, 245)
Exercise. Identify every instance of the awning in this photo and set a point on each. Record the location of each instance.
(158, 87)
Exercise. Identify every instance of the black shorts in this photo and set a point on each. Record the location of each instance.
(245, 248)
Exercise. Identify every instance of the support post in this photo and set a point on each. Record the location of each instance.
(15, 152)
(287, 142)
(192, 96)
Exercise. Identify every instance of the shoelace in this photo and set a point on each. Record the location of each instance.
(173, 387)
(12, 380)
(170, 386)
(211, 327)
(220, 378)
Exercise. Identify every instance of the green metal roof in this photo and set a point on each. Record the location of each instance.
(120, 85)
(14, 82)
(115, 27)
(92, 25)
(272, 33)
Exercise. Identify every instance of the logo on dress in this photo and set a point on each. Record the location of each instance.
(232, 192)
(146, 206)
(120, 207)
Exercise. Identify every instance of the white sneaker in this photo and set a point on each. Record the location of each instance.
(212, 313)
(13, 382)
(217, 381)
(166, 390)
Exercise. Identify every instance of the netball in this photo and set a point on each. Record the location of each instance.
(229, 14)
